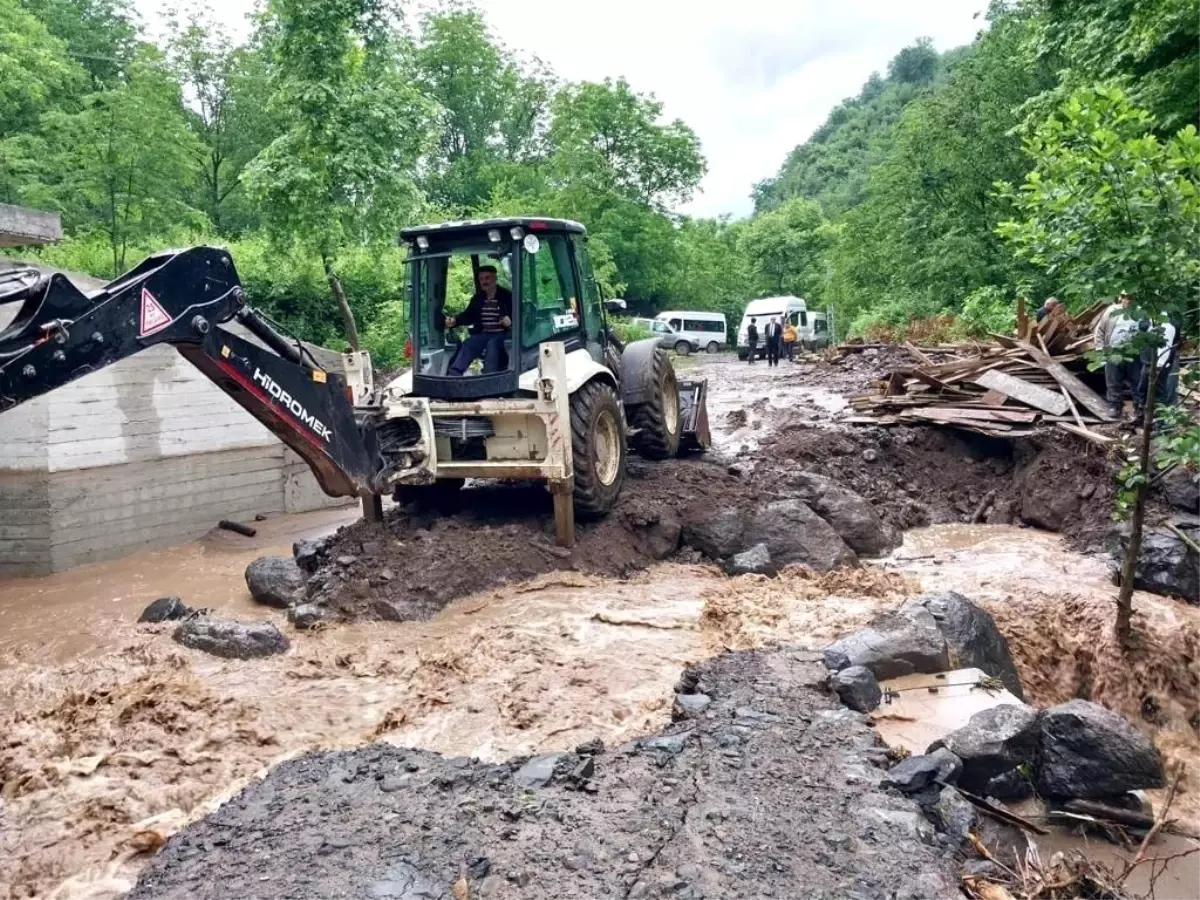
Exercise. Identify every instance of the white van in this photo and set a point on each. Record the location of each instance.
(696, 330)
(763, 311)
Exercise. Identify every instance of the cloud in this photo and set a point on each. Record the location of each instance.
(753, 78)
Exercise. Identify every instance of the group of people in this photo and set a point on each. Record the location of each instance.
(780, 340)
(1128, 379)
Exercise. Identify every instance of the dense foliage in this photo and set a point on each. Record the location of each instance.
(308, 146)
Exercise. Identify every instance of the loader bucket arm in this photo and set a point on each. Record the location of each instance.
(182, 298)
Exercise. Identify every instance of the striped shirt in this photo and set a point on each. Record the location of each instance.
(491, 314)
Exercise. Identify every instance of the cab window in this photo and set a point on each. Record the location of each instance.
(549, 297)
(593, 308)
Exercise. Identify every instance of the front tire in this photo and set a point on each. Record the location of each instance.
(658, 419)
(683, 348)
(597, 448)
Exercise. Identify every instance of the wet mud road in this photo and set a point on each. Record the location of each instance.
(115, 737)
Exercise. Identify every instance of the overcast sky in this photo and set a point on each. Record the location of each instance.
(752, 77)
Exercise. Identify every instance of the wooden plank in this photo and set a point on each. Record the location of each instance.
(1087, 434)
(1022, 317)
(924, 360)
(1071, 403)
(1024, 391)
(1023, 417)
(994, 398)
(1080, 391)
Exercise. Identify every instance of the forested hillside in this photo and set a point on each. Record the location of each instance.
(906, 173)
(306, 149)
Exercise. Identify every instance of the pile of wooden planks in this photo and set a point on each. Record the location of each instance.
(1002, 389)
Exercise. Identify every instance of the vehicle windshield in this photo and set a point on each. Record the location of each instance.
(463, 310)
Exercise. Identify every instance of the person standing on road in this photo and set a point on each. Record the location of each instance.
(774, 335)
(752, 339)
(1115, 329)
(790, 335)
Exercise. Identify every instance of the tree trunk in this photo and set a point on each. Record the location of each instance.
(335, 284)
(1138, 519)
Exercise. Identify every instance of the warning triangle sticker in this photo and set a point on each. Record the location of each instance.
(154, 317)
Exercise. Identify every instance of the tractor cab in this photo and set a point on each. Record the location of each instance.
(486, 295)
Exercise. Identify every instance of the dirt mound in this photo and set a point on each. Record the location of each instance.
(1063, 647)
(413, 564)
(770, 789)
(921, 476)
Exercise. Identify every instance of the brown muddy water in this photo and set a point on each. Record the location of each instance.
(114, 737)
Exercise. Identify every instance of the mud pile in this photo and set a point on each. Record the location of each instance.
(769, 789)
(414, 563)
(922, 476)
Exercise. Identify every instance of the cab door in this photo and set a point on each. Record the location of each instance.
(592, 307)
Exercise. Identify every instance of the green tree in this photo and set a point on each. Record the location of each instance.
(493, 111)
(124, 161)
(226, 86)
(341, 172)
(787, 250)
(100, 35)
(608, 139)
(1110, 207)
(35, 74)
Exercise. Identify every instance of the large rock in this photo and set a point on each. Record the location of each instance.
(1181, 489)
(1166, 564)
(954, 815)
(275, 581)
(899, 643)
(794, 533)
(1089, 751)
(916, 774)
(994, 742)
(231, 640)
(851, 516)
(718, 535)
(308, 553)
(972, 637)
(857, 688)
(166, 609)
(310, 615)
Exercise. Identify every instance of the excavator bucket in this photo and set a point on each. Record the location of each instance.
(693, 411)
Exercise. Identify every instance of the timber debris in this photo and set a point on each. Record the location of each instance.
(1006, 387)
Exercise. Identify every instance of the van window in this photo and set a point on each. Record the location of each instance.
(799, 319)
(707, 325)
(677, 324)
(820, 325)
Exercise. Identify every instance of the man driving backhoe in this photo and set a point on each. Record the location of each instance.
(488, 318)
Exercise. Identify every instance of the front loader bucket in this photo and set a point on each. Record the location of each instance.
(693, 414)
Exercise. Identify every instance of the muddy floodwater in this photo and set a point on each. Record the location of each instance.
(115, 737)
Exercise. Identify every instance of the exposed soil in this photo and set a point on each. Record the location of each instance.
(414, 563)
(768, 791)
(921, 476)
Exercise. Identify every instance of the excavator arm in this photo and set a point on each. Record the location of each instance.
(182, 298)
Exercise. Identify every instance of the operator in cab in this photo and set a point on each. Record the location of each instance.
(488, 318)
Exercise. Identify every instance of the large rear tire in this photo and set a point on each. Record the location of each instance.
(597, 448)
(657, 421)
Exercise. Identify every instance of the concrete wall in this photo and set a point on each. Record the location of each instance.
(22, 227)
(146, 452)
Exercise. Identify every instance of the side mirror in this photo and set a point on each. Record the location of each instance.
(614, 306)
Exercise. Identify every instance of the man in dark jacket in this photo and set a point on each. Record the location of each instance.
(774, 338)
(752, 339)
(488, 318)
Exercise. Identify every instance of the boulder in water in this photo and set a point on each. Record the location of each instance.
(857, 688)
(1088, 751)
(275, 581)
(755, 561)
(231, 640)
(166, 609)
(793, 533)
(972, 637)
(994, 742)
(899, 643)
(853, 517)
(1166, 565)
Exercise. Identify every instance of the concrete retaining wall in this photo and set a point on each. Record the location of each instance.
(144, 453)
